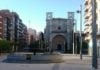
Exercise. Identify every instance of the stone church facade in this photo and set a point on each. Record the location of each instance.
(59, 33)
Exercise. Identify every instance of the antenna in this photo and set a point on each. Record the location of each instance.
(29, 23)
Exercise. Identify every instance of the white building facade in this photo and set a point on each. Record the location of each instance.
(59, 33)
(88, 24)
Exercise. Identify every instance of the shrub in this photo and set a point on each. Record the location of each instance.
(5, 46)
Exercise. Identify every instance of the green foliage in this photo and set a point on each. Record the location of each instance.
(12, 43)
(85, 47)
(5, 46)
(34, 44)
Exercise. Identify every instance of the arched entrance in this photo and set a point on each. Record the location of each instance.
(58, 43)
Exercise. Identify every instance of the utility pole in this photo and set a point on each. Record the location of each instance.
(94, 54)
(73, 40)
(80, 11)
(81, 32)
(75, 36)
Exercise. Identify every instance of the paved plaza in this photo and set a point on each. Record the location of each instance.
(72, 63)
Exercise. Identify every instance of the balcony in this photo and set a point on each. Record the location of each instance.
(86, 8)
(86, 16)
(89, 1)
(88, 11)
(88, 37)
(88, 23)
(90, 18)
(86, 20)
(88, 29)
(90, 8)
(85, 31)
(89, 14)
(86, 2)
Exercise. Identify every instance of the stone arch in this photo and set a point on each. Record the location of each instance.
(58, 43)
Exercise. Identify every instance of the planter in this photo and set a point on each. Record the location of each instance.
(31, 57)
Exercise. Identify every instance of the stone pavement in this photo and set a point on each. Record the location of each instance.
(51, 66)
(75, 59)
(72, 63)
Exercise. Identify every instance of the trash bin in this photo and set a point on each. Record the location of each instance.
(28, 57)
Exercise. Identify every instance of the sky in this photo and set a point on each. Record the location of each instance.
(33, 12)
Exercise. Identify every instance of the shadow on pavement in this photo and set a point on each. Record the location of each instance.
(30, 62)
(15, 60)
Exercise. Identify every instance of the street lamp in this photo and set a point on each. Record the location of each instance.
(73, 39)
(75, 36)
(80, 11)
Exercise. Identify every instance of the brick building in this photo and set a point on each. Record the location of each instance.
(12, 28)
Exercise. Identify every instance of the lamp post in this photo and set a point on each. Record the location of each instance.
(75, 36)
(80, 11)
(94, 54)
(73, 40)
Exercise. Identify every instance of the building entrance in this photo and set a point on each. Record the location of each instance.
(59, 47)
(58, 43)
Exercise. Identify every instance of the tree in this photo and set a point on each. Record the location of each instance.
(41, 40)
(85, 47)
(12, 44)
(5, 46)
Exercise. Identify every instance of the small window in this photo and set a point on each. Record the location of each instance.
(0, 27)
(59, 28)
(0, 22)
(0, 16)
(0, 33)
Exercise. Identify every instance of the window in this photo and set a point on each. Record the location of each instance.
(0, 33)
(0, 22)
(0, 27)
(0, 16)
(98, 42)
(59, 28)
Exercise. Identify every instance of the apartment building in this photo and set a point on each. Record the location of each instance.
(88, 24)
(32, 36)
(5, 25)
(12, 27)
(22, 34)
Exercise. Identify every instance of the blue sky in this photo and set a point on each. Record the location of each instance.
(33, 12)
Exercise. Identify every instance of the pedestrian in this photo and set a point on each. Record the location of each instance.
(34, 51)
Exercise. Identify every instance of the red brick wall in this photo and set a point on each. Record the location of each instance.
(1, 27)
